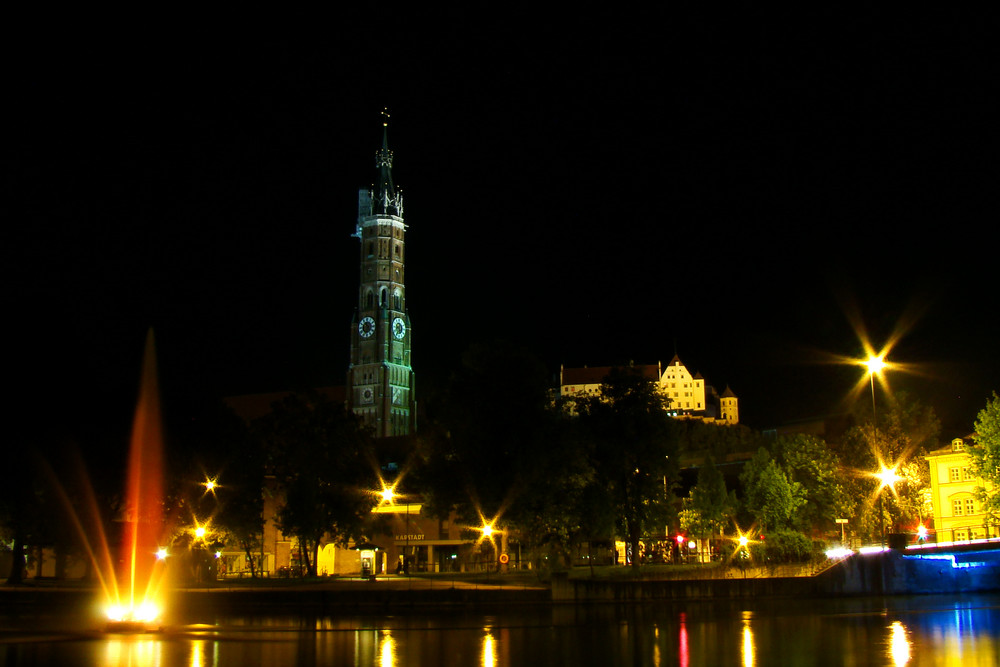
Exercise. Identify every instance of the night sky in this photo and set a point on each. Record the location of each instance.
(736, 193)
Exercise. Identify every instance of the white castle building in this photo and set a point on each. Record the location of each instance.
(689, 395)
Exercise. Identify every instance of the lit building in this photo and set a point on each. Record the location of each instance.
(958, 516)
(380, 380)
(689, 395)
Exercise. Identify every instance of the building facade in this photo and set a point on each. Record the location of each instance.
(958, 516)
(380, 379)
(690, 396)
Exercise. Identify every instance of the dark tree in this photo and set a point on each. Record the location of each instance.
(709, 508)
(497, 448)
(986, 456)
(899, 438)
(807, 461)
(325, 469)
(634, 451)
(770, 497)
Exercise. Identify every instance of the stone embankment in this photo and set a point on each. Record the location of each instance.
(887, 573)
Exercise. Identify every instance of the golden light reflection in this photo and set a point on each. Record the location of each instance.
(197, 653)
(133, 652)
(747, 650)
(899, 644)
(489, 649)
(387, 650)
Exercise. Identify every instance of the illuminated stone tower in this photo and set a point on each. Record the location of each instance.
(380, 382)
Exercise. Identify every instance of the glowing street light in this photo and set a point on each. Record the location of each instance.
(488, 532)
(888, 478)
(387, 494)
(875, 364)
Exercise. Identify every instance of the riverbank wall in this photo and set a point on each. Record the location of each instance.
(886, 573)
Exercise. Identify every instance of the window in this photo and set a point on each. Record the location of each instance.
(970, 506)
(954, 474)
(961, 535)
(957, 445)
(956, 508)
(967, 475)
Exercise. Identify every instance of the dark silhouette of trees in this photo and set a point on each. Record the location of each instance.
(324, 466)
(634, 452)
(497, 449)
(986, 455)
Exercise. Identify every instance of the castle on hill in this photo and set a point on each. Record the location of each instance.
(689, 395)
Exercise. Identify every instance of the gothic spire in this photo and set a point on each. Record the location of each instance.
(385, 198)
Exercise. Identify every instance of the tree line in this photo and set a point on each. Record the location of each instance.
(498, 444)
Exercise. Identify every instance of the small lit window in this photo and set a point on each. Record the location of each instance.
(956, 508)
(967, 475)
(954, 474)
(970, 506)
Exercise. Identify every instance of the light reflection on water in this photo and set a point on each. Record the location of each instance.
(747, 648)
(899, 644)
(906, 631)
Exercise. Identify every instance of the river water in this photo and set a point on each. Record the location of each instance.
(936, 631)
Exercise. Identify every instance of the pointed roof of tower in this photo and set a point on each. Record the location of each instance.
(728, 393)
(385, 198)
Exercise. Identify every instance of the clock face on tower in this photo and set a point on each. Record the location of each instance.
(398, 328)
(366, 327)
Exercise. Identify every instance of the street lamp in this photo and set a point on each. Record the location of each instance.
(888, 478)
(388, 496)
(875, 365)
(488, 531)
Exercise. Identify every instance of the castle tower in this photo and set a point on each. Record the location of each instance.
(380, 381)
(730, 407)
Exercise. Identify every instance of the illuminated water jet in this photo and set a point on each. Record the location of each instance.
(133, 597)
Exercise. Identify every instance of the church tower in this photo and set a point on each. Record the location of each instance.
(380, 382)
